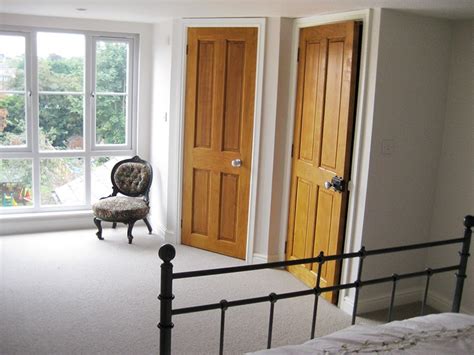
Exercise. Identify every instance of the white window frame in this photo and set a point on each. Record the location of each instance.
(93, 94)
(28, 93)
(90, 149)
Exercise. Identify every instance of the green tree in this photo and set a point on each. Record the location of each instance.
(13, 112)
(12, 106)
(111, 78)
(61, 116)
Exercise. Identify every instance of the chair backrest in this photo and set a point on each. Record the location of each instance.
(132, 177)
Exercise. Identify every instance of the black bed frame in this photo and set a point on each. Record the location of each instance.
(167, 253)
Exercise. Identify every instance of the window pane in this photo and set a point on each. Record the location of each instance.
(111, 119)
(12, 120)
(12, 63)
(61, 121)
(101, 168)
(15, 183)
(62, 181)
(61, 61)
(111, 66)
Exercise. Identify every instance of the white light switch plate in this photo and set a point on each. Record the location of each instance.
(388, 146)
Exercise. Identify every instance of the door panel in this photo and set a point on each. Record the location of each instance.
(220, 95)
(233, 95)
(302, 218)
(324, 118)
(228, 204)
(200, 218)
(204, 102)
(309, 124)
(332, 105)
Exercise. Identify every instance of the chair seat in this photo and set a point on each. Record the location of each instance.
(121, 209)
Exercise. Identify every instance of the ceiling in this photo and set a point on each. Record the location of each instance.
(156, 10)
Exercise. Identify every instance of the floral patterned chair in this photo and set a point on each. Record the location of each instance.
(132, 179)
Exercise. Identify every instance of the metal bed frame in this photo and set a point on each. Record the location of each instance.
(167, 253)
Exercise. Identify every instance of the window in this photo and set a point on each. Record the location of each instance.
(61, 58)
(12, 91)
(66, 116)
(111, 90)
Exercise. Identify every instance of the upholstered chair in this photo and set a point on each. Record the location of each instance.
(128, 203)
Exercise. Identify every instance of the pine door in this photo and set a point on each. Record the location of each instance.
(324, 117)
(220, 95)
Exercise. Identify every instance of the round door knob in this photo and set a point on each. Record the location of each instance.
(236, 163)
(327, 184)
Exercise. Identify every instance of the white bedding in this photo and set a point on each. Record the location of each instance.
(446, 333)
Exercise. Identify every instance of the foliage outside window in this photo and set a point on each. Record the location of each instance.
(111, 92)
(12, 91)
(58, 142)
(61, 91)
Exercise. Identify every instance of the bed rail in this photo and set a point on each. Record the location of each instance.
(167, 253)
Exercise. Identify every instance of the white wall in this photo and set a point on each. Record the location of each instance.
(454, 196)
(281, 151)
(267, 142)
(83, 219)
(159, 142)
(409, 111)
(173, 202)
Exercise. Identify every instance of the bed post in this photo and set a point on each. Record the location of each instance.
(464, 254)
(166, 253)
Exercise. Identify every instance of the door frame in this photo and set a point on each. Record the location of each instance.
(178, 135)
(357, 188)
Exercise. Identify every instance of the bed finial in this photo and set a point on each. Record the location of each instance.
(469, 221)
(167, 253)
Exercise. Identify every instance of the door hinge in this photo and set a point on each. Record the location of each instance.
(286, 245)
(187, 49)
(181, 223)
(292, 149)
(298, 55)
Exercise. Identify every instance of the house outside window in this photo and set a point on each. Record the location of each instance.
(67, 115)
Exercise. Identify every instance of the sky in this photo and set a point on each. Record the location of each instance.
(65, 45)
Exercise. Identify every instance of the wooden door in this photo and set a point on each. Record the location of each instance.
(220, 95)
(324, 117)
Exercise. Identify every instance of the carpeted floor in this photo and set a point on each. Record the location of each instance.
(69, 293)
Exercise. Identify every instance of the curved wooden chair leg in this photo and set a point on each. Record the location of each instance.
(99, 228)
(114, 225)
(148, 225)
(129, 232)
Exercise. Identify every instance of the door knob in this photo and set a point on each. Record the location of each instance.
(236, 163)
(337, 184)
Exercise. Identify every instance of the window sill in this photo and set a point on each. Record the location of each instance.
(39, 222)
(44, 215)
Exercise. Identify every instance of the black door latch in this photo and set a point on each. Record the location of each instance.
(337, 183)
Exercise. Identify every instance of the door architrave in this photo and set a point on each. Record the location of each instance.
(352, 236)
(179, 154)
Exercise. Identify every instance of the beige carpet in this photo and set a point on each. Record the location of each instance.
(69, 293)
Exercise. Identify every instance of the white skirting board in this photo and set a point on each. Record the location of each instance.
(259, 258)
(381, 302)
(46, 222)
(443, 304)
(159, 230)
(412, 295)
(262, 258)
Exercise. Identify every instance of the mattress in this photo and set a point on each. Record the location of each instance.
(445, 333)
